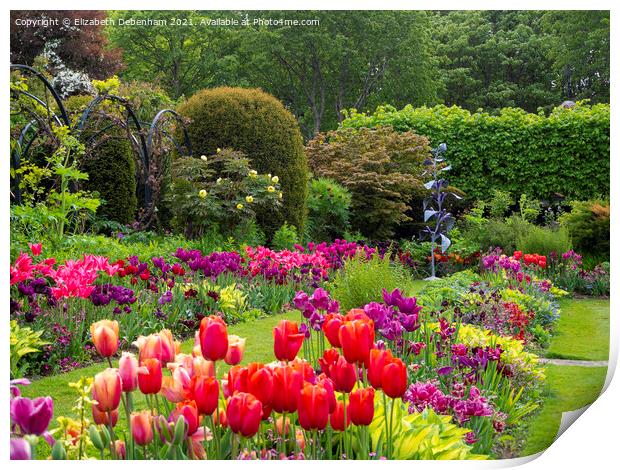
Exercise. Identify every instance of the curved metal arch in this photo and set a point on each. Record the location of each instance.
(43, 103)
(158, 117)
(50, 88)
(141, 141)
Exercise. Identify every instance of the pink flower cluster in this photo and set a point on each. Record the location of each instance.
(337, 252)
(262, 260)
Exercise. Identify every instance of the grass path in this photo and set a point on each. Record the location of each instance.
(583, 334)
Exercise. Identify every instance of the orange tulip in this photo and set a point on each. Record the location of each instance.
(283, 426)
(213, 338)
(142, 427)
(119, 448)
(236, 348)
(287, 340)
(160, 346)
(128, 369)
(188, 410)
(331, 327)
(150, 376)
(174, 387)
(357, 338)
(100, 417)
(203, 366)
(107, 390)
(104, 334)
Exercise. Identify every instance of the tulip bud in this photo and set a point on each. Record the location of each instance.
(128, 369)
(104, 334)
(102, 417)
(59, 452)
(287, 340)
(121, 451)
(95, 437)
(236, 348)
(107, 390)
(213, 338)
(142, 427)
(150, 376)
(179, 431)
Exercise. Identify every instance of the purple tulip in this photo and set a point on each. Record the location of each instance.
(32, 416)
(20, 449)
(320, 299)
(390, 298)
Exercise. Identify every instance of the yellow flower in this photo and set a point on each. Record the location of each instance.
(218, 181)
(275, 179)
(204, 158)
(249, 199)
(280, 195)
(271, 189)
(219, 150)
(202, 193)
(239, 206)
(253, 174)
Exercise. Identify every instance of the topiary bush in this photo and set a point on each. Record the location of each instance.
(381, 168)
(112, 173)
(566, 152)
(257, 124)
(328, 210)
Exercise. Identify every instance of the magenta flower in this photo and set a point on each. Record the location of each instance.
(32, 416)
(20, 449)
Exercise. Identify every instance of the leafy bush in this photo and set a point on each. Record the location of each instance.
(362, 280)
(23, 341)
(566, 152)
(328, 210)
(198, 200)
(588, 225)
(380, 167)
(544, 240)
(285, 237)
(499, 203)
(257, 124)
(112, 173)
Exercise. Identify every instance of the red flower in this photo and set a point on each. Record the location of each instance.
(357, 338)
(244, 413)
(204, 391)
(260, 383)
(144, 275)
(378, 359)
(286, 385)
(343, 375)
(213, 338)
(394, 378)
(328, 385)
(35, 248)
(362, 406)
(150, 376)
(188, 410)
(237, 380)
(313, 407)
(287, 340)
(336, 419)
(331, 327)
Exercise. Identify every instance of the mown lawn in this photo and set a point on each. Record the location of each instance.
(583, 331)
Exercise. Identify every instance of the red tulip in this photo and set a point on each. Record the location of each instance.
(330, 357)
(107, 390)
(304, 368)
(142, 427)
(104, 334)
(394, 378)
(362, 406)
(336, 419)
(237, 380)
(287, 340)
(313, 407)
(286, 385)
(213, 338)
(357, 338)
(35, 248)
(188, 410)
(100, 417)
(244, 413)
(331, 327)
(128, 369)
(378, 359)
(260, 383)
(150, 376)
(205, 393)
(119, 448)
(356, 314)
(236, 348)
(343, 375)
(328, 385)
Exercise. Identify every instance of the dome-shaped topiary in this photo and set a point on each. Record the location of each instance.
(257, 124)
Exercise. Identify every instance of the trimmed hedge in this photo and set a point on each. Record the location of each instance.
(565, 153)
(112, 172)
(257, 124)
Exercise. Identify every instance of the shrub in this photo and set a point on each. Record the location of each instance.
(112, 173)
(285, 237)
(566, 152)
(499, 203)
(361, 281)
(328, 210)
(543, 240)
(588, 225)
(380, 167)
(199, 200)
(257, 124)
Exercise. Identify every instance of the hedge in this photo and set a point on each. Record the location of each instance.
(563, 154)
(257, 124)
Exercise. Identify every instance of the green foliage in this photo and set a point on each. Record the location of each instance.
(543, 240)
(361, 281)
(199, 201)
(450, 288)
(588, 225)
(566, 152)
(529, 208)
(23, 341)
(328, 210)
(257, 124)
(419, 436)
(381, 168)
(499, 203)
(285, 237)
(111, 167)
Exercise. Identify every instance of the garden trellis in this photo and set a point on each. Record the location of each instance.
(152, 142)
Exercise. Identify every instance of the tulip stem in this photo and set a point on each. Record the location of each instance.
(344, 408)
(112, 437)
(127, 405)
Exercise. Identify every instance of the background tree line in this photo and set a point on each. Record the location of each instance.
(359, 59)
